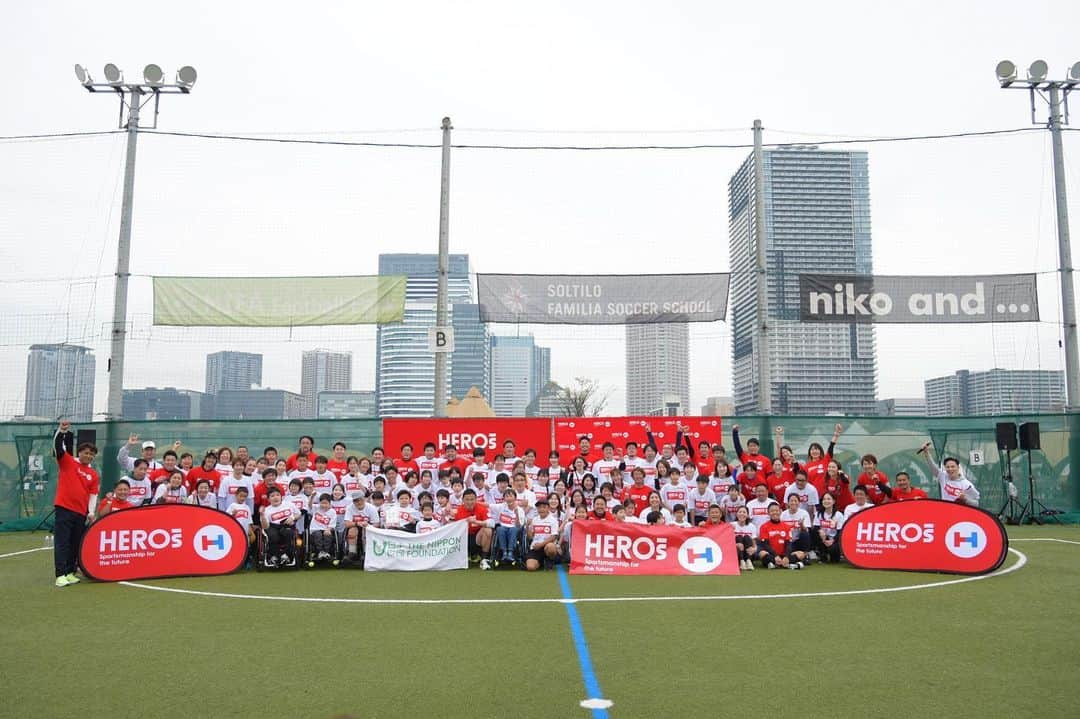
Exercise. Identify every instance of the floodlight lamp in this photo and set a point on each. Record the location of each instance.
(1074, 72)
(83, 75)
(153, 75)
(1006, 71)
(1037, 71)
(186, 76)
(113, 75)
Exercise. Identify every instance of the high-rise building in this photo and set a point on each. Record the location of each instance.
(233, 370)
(359, 404)
(515, 375)
(996, 391)
(657, 367)
(404, 367)
(902, 407)
(258, 404)
(60, 382)
(718, 407)
(471, 360)
(816, 219)
(548, 403)
(151, 403)
(322, 371)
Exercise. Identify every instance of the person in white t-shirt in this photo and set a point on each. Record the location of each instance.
(542, 534)
(279, 522)
(526, 498)
(427, 522)
(323, 478)
(323, 532)
(603, 468)
(829, 523)
(955, 487)
(242, 512)
(507, 518)
(758, 507)
(631, 461)
(800, 523)
(731, 502)
(401, 515)
(655, 505)
(141, 488)
(806, 492)
(202, 496)
(675, 491)
(678, 517)
(700, 499)
(746, 535)
(229, 485)
(862, 501)
(358, 516)
(171, 491)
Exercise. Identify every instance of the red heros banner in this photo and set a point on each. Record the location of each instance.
(927, 536)
(607, 547)
(164, 540)
(620, 430)
(468, 434)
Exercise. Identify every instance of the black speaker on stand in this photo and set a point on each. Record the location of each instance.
(1011, 509)
(1034, 510)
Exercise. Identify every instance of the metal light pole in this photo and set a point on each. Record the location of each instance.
(1056, 95)
(764, 375)
(441, 297)
(133, 96)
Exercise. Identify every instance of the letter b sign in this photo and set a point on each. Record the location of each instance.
(440, 339)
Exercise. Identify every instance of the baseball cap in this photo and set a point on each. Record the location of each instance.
(149, 445)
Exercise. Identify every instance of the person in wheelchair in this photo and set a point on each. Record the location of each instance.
(543, 536)
(508, 520)
(323, 531)
(279, 522)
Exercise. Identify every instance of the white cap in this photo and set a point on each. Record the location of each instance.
(149, 445)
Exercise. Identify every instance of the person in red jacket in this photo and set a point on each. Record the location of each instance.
(307, 444)
(818, 458)
(207, 471)
(875, 481)
(77, 487)
(752, 454)
(117, 499)
(838, 485)
(749, 478)
(477, 515)
(638, 491)
(904, 492)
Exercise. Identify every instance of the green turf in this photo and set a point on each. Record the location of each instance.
(1001, 646)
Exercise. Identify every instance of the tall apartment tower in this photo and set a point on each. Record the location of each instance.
(817, 219)
(60, 382)
(657, 367)
(233, 370)
(322, 371)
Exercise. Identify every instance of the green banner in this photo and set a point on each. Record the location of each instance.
(278, 301)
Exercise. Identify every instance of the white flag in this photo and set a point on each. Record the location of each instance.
(391, 550)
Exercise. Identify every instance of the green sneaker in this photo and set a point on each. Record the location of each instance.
(62, 581)
(71, 578)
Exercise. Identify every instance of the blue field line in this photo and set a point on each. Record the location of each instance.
(592, 686)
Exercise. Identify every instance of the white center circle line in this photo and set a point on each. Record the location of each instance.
(1020, 562)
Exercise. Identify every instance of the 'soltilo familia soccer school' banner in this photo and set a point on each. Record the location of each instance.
(278, 301)
(390, 550)
(605, 547)
(164, 540)
(602, 299)
(925, 536)
(918, 300)
(467, 434)
(620, 430)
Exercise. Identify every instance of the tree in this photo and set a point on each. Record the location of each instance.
(583, 398)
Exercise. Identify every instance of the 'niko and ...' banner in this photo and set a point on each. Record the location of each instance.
(602, 299)
(897, 299)
(164, 540)
(925, 536)
(605, 547)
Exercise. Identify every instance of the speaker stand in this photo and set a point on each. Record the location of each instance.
(1012, 508)
(1033, 509)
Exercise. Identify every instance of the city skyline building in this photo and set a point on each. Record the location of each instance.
(60, 382)
(517, 367)
(470, 364)
(816, 218)
(153, 403)
(657, 367)
(233, 370)
(323, 371)
(404, 367)
(356, 404)
(995, 391)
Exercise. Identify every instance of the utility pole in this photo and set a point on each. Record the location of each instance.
(441, 298)
(133, 96)
(761, 282)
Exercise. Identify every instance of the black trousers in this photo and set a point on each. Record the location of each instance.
(67, 534)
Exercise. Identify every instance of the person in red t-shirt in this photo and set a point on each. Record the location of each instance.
(638, 491)
(875, 481)
(780, 479)
(749, 478)
(339, 463)
(838, 485)
(169, 462)
(117, 499)
(406, 466)
(261, 495)
(451, 460)
(477, 515)
(206, 471)
(904, 492)
(307, 445)
(752, 453)
(77, 487)
(817, 460)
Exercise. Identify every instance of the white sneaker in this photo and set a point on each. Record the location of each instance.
(812, 556)
(62, 581)
(770, 565)
(749, 565)
(485, 564)
(795, 565)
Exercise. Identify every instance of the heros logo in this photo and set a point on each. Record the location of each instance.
(212, 543)
(966, 540)
(700, 555)
(139, 540)
(608, 546)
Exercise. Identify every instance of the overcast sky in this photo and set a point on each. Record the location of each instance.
(563, 73)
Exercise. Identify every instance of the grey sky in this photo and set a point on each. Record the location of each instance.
(214, 208)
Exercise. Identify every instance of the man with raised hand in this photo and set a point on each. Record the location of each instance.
(76, 499)
(127, 462)
(955, 487)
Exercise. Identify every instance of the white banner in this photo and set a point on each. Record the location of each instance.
(391, 550)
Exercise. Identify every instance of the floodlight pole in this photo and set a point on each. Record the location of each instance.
(1068, 299)
(123, 259)
(441, 297)
(764, 377)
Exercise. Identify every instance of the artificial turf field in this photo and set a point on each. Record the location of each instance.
(1004, 646)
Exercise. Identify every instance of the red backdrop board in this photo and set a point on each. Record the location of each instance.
(467, 434)
(605, 547)
(925, 536)
(164, 540)
(620, 430)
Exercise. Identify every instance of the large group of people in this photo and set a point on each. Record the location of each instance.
(786, 511)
